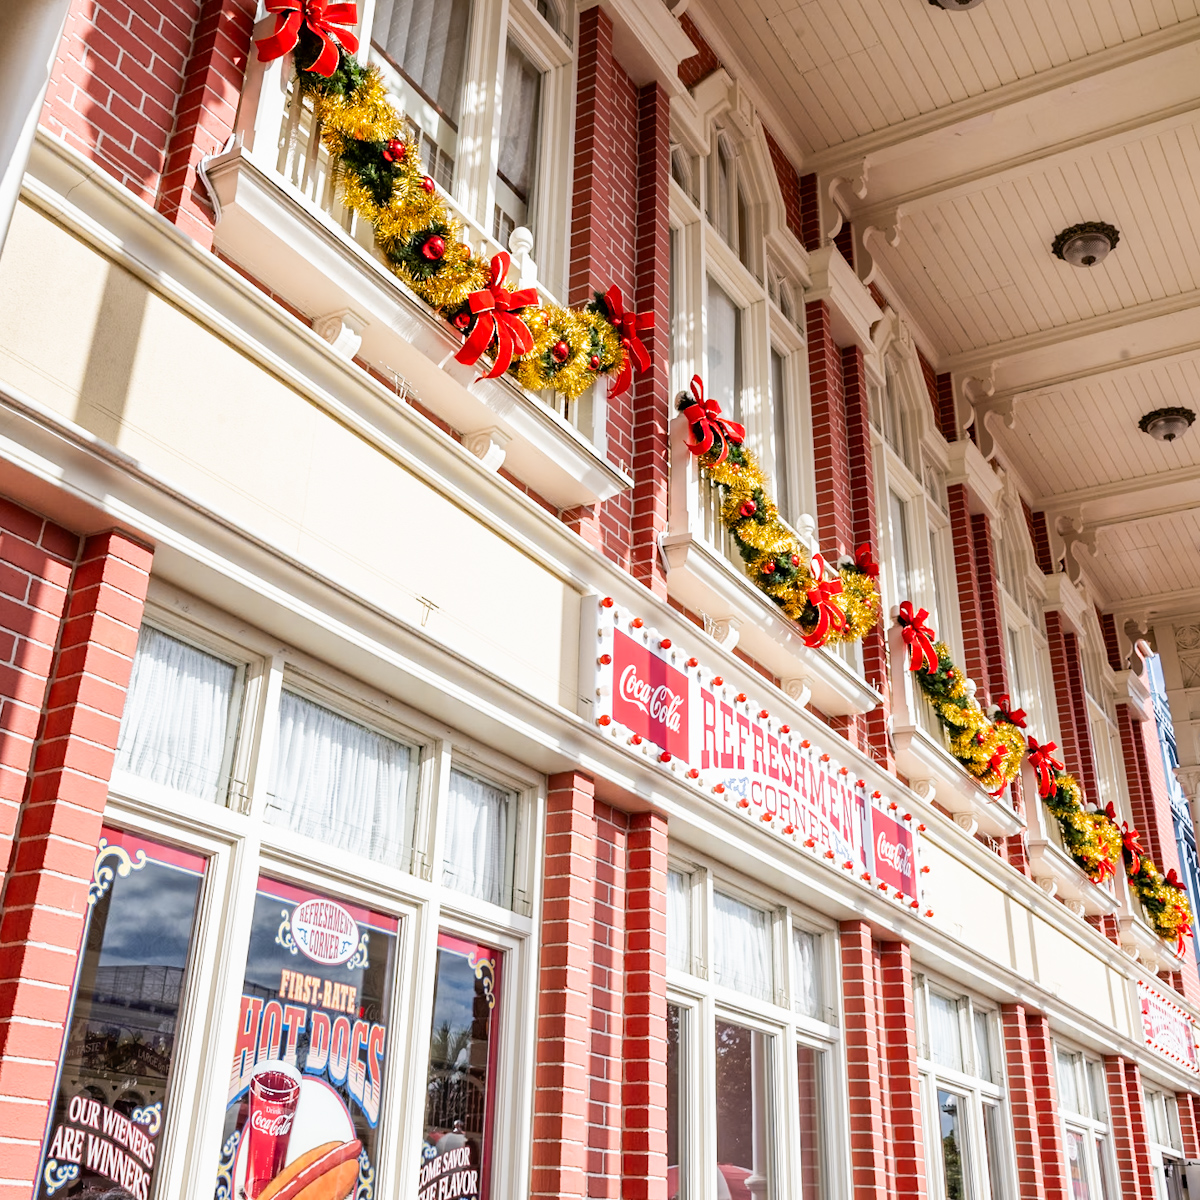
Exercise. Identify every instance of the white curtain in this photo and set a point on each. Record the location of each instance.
(475, 858)
(427, 39)
(742, 947)
(723, 346)
(520, 104)
(983, 1048)
(341, 783)
(945, 1032)
(679, 920)
(806, 982)
(176, 716)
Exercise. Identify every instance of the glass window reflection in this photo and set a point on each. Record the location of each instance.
(744, 1111)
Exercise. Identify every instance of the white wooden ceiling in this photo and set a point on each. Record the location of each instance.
(969, 141)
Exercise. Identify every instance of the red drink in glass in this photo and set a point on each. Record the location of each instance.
(273, 1097)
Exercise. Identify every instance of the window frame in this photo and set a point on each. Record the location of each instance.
(241, 846)
(1100, 1162)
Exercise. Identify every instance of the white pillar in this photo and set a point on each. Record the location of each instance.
(30, 31)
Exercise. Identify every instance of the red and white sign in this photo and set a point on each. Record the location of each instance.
(666, 704)
(1167, 1028)
(325, 932)
(895, 856)
(650, 697)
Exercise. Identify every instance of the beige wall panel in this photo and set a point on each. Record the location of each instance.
(967, 906)
(138, 372)
(1075, 976)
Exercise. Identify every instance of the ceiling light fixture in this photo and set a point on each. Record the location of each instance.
(956, 5)
(1086, 244)
(1167, 424)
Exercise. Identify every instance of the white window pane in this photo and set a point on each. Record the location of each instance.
(341, 783)
(745, 1112)
(742, 947)
(476, 829)
(783, 463)
(723, 382)
(1107, 1187)
(176, 718)
(1068, 1088)
(521, 102)
(945, 1032)
(427, 40)
(898, 519)
(1096, 1086)
(806, 983)
(679, 920)
(1077, 1166)
(993, 1143)
(983, 1048)
(952, 1113)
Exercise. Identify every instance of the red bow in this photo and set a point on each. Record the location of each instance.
(1042, 760)
(322, 18)
(829, 617)
(628, 326)
(996, 762)
(705, 415)
(494, 307)
(1173, 879)
(1130, 843)
(1014, 716)
(1104, 868)
(864, 563)
(918, 637)
(1185, 930)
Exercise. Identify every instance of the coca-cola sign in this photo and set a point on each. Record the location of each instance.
(650, 697)
(276, 1126)
(893, 846)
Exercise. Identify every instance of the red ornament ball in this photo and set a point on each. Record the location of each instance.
(595, 362)
(394, 151)
(561, 352)
(434, 248)
(462, 320)
(428, 184)
(795, 560)
(768, 568)
(749, 508)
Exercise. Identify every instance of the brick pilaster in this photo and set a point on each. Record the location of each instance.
(906, 1147)
(1045, 1093)
(1136, 1100)
(1188, 1129)
(1022, 1103)
(644, 1097)
(966, 570)
(1069, 695)
(1120, 1121)
(835, 525)
(205, 112)
(943, 398)
(869, 1165)
(560, 1123)
(45, 892)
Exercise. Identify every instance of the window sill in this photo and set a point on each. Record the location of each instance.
(703, 580)
(291, 247)
(1142, 944)
(1057, 874)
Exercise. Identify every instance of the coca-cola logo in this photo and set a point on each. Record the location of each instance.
(896, 854)
(659, 702)
(276, 1126)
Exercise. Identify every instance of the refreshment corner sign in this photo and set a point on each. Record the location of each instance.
(661, 701)
(1167, 1028)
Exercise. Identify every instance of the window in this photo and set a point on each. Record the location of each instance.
(745, 1139)
(959, 1064)
(742, 947)
(179, 723)
(521, 101)
(806, 978)
(677, 1084)
(898, 528)
(341, 783)
(119, 1053)
(426, 45)
(784, 466)
(1081, 1100)
(810, 1075)
(679, 920)
(477, 858)
(1163, 1133)
(723, 345)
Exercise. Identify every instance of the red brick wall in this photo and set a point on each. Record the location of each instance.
(51, 859)
(1022, 1103)
(906, 1148)
(703, 63)
(966, 569)
(1120, 1120)
(831, 467)
(789, 186)
(1136, 1100)
(1045, 1092)
(810, 213)
(1077, 751)
(1039, 534)
(944, 408)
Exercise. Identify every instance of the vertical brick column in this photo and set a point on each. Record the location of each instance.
(966, 570)
(1078, 754)
(205, 112)
(906, 1147)
(644, 1144)
(835, 527)
(869, 1166)
(942, 395)
(1045, 1093)
(1188, 1129)
(652, 400)
(36, 560)
(1120, 1121)
(564, 990)
(1022, 1103)
(1148, 797)
(1141, 1131)
(606, 1017)
(45, 892)
(875, 724)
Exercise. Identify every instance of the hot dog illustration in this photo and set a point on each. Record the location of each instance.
(327, 1172)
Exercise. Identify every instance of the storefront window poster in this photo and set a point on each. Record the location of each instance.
(306, 1083)
(111, 1107)
(459, 1107)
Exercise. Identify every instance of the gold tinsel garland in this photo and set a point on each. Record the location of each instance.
(380, 178)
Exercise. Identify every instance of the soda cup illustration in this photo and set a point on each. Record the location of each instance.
(274, 1093)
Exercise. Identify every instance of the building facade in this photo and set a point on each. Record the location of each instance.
(404, 789)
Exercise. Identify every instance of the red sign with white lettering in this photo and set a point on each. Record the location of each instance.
(650, 697)
(894, 856)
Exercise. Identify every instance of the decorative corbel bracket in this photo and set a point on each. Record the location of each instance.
(838, 195)
(343, 330)
(884, 228)
(1069, 531)
(974, 401)
(489, 446)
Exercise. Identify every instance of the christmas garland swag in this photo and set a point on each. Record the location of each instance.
(543, 346)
